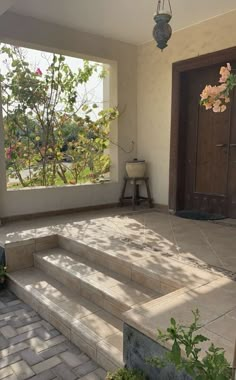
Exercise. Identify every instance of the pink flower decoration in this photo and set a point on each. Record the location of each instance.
(225, 73)
(216, 98)
(38, 72)
(223, 108)
(217, 106)
(9, 152)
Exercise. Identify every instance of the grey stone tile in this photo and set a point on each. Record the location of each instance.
(62, 371)
(14, 308)
(31, 326)
(19, 354)
(4, 323)
(85, 368)
(56, 350)
(8, 331)
(11, 377)
(3, 342)
(18, 322)
(73, 348)
(6, 316)
(37, 344)
(22, 337)
(7, 296)
(45, 334)
(22, 370)
(47, 325)
(101, 373)
(71, 359)
(82, 358)
(46, 375)
(23, 313)
(9, 360)
(15, 302)
(46, 364)
(31, 357)
(4, 372)
(57, 340)
(91, 376)
(13, 349)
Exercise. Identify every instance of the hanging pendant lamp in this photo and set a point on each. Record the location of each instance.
(162, 30)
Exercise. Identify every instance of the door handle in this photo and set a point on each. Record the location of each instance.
(222, 145)
(233, 145)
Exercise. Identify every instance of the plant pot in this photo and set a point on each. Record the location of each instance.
(136, 168)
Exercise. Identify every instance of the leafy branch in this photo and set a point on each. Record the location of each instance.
(49, 118)
(213, 365)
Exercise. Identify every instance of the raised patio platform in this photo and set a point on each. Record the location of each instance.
(88, 273)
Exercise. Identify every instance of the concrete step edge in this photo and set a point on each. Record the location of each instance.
(76, 332)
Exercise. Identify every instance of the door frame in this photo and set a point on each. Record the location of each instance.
(176, 183)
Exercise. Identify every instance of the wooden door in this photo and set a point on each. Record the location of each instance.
(209, 148)
(232, 162)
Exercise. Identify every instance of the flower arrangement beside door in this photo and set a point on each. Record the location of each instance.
(216, 98)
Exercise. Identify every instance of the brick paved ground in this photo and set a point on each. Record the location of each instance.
(30, 348)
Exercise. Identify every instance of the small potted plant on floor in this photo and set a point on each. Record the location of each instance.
(3, 271)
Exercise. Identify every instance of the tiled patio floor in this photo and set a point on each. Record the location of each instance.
(203, 243)
(30, 348)
(162, 243)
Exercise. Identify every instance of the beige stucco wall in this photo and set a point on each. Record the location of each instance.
(144, 95)
(123, 59)
(154, 91)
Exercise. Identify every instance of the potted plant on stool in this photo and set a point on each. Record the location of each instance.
(136, 168)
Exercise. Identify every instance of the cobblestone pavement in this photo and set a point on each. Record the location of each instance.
(30, 348)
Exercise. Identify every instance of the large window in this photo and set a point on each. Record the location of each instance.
(56, 118)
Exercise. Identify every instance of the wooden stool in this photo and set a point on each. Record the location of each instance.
(136, 197)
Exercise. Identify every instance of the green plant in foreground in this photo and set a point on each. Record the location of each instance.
(125, 374)
(3, 271)
(212, 366)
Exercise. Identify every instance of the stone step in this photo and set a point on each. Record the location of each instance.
(120, 261)
(163, 273)
(95, 331)
(112, 292)
(115, 259)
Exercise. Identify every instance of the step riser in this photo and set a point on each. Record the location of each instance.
(96, 256)
(109, 304)
(107, 357)
(58, 274)
(115, 264)
(83, 288)
(154, 281)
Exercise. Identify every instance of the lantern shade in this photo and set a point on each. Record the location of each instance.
(162, 31)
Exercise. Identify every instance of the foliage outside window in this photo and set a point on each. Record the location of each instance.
(55, 133)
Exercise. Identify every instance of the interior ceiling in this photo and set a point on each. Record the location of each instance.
(124, 20)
